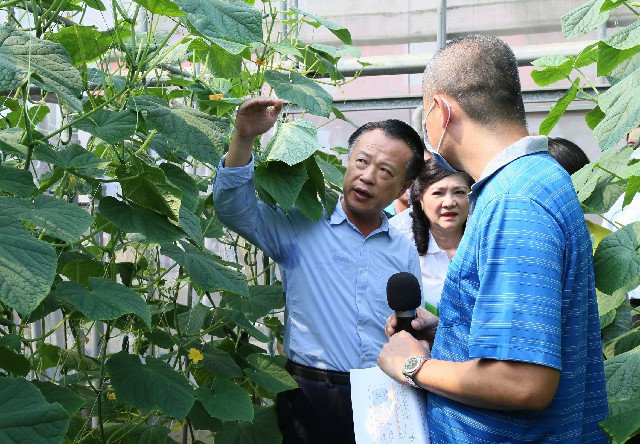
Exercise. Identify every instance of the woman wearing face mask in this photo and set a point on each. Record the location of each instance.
(439, 210)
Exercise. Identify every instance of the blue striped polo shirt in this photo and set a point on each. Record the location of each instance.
(521, 288)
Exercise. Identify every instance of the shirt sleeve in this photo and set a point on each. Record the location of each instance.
(518, 311)
(237, 207)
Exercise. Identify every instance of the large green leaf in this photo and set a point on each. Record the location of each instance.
(263, 430)
(262, 300)
(593, 117)
(583, 19)
(191, 225)
(219, 362)
(13, 362)
(217, 19)
(623, 385)
(609, 58)
(617, 259)
(132, 433)
(286, 48)
(153, 385)
(201, 135)
(206, 271)
(241, 321)
(64, 396)
(183, 181)
(293, 142)
(227, 401)
(603, 196)
(622, 110)
(607, 303)
(73, 157)
(269, 373)
(624, 69)
(190, 322)
(338, 30)
(558, 109)
(110, 126)
(10, 141)
(337, 53)
(107, 300)
(200, 419)
(27, 417)
(625, 38)
(623, 426)
(24, 58)
(147, 186)
(27, 267)
(83, 43)
(49, 356)
(161, 7)
(281, 181)
(61, 219)
(300, 90)
(331, 167)
(554, 69)
(16, 181)
(308, 202)
(134, 219)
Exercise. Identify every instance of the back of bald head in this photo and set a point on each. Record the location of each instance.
(481, 74)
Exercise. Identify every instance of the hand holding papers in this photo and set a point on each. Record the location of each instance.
(386, 412)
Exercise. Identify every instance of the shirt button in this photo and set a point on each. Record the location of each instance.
(363, 270)
(360, 328)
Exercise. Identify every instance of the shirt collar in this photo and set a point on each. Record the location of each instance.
(523, 147)
(338, 216)
(433, 245)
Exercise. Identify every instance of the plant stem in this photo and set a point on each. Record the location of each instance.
(49, 333)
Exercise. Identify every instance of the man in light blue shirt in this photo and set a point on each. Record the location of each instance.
(334, 270)
(517, 356)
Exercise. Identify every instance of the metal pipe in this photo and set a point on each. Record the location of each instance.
(414, 63)
(441, 12)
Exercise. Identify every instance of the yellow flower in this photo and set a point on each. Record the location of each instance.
(111, 396)
(259, 62)
(179, 425)
(195, 355)
(216, 96)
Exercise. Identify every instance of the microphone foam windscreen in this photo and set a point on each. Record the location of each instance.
(403, 292)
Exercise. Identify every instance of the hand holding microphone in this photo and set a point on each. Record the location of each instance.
(404, 296)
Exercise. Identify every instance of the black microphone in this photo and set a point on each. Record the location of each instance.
(403, 296)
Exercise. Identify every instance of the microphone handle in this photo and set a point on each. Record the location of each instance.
(404, 324)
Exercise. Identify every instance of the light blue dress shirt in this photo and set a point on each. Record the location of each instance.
(334, 278)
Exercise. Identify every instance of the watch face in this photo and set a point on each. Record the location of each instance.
(410, 364)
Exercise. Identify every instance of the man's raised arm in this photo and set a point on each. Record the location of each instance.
(254, 117)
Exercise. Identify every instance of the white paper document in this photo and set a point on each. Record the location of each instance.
(385, 412)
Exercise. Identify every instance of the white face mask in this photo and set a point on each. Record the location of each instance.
(439, 158)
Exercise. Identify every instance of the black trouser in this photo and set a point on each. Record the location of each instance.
(319, 411)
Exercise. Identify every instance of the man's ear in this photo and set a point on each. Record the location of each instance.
(444, 110)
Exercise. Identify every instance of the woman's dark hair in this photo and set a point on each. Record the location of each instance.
(430, 174)
(569, 155)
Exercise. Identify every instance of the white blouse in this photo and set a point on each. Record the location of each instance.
(433, 265)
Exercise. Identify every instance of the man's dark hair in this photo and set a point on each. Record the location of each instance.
(397, 130)
(420, 225)
(481, 73)
(569, 155)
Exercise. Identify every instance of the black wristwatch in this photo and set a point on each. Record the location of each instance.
(411, 366)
